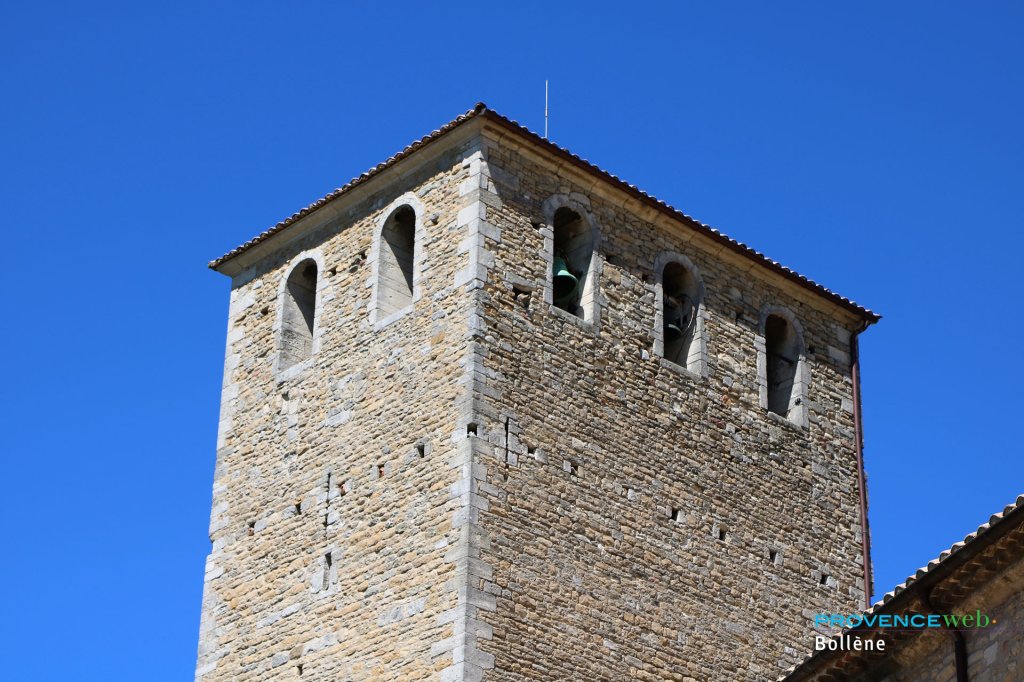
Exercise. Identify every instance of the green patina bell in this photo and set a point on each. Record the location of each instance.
(677, 310)
(565, 283)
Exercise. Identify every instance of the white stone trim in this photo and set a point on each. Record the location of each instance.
(470, 452)
(209, 651)
(697, 357)
(590, 300)
(418, 259)
(797, 413)
(298, 368)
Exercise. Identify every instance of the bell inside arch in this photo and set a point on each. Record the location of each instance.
(565, 283)
(678, 316)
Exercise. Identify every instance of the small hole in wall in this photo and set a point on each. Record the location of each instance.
(284, 395)
(299, 668)
(773, 555)
(380, 471)
(739, 315)
(521, 296)
(328, 560)
(357, 261)
(470, 430)
(252, 528)
(824, 579)
(531, 450)
(723, 535)
(810, 350)
(645, 278)
(342, 490)
(333, 271)
(574, 468)
(265, 310)
(537, 225)
(421, 450)
(298, 508)
(677, 515)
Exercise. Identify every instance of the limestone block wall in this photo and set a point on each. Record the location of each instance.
(996, 654)
(470, 484)
(335, 527)
(642, 521)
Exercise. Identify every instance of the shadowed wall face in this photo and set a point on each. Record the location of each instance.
(640, 521)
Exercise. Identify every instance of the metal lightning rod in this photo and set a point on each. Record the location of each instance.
(545, 109)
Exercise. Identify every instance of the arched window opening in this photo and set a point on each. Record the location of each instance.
(298, 315)
(782, 350)
(395, 265)
(680, 307)
(573, 250)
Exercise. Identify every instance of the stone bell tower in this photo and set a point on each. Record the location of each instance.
(490, 413)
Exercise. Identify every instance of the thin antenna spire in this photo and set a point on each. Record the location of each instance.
(545, 109)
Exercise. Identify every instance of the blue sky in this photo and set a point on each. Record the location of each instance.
(875, 148)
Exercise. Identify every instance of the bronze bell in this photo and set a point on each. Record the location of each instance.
(565, 283)
(673, 318)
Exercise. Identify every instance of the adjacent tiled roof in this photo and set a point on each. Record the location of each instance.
(481, 110)
(974, 542)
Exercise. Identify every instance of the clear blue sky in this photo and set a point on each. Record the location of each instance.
(877, 149)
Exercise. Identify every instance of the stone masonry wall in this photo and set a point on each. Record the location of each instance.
(482, 487)
(336, 509)
(996, 653)
(644, 522)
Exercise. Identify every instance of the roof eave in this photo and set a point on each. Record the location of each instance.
(480, 110)
(869, 316)
(234, 261)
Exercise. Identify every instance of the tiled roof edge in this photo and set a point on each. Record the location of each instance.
(514, 126)
(351, 184)
(705, 229)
